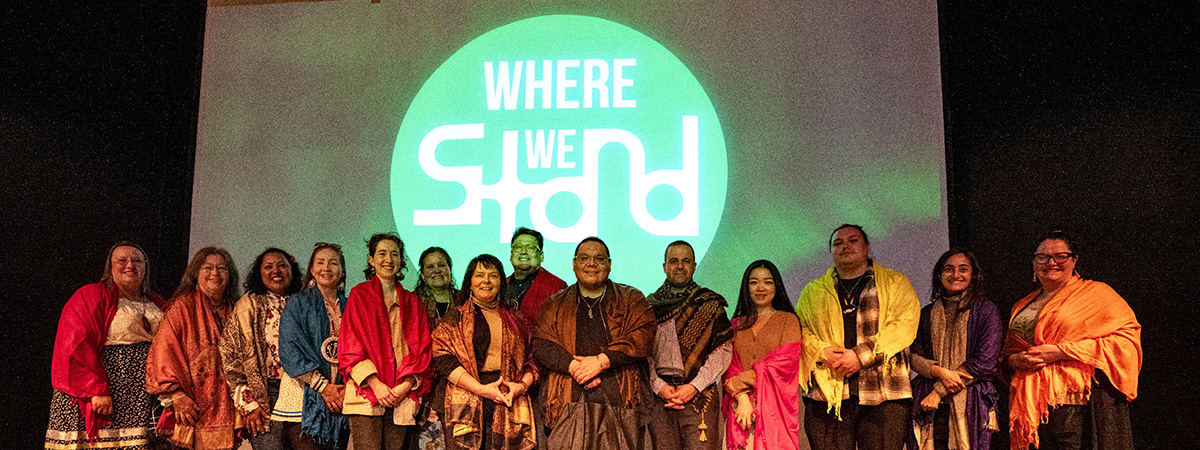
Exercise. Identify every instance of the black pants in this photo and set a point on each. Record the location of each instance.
(1101, 424)
(880, 427)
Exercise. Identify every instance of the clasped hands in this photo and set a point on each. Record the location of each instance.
(841, 360)
(586, 369)
(953, 380)
(1035, 358)
(677, 396)
(390, 397)
(502, 391)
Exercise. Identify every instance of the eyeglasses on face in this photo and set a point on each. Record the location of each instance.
(587, 259)
(1059, 258)
(525, 249)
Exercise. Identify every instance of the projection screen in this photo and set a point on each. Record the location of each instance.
(748, 129)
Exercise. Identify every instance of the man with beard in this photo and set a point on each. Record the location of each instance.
(530, 284)
(692, 349)
(857, 322)
(592, 338)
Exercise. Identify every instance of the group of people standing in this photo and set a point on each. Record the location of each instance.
(525, 361)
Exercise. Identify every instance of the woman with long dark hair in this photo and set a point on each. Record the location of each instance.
(762, 405)
(436, 287)
(481, 348)
(99, 362)
(955, 356)
(265, 396)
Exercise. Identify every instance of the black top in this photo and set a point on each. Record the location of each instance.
(591, 338)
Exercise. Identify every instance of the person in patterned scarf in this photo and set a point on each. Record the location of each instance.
(692, 348)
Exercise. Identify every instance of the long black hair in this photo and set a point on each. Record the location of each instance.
(745, 306)
(254, 283)
(974, 288)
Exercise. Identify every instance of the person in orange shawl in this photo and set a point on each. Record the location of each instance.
(384, 351)
(481, 348)
(99, 359)
(592, 339)
(1075, 348)
(184, 365)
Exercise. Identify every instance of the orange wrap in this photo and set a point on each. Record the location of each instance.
(1094, 326)
(184, 358)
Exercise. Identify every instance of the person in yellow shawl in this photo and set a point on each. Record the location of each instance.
(1076, 349)
(481, 348)
(857, 322)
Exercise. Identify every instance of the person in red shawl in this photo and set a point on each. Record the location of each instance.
(530, 284)
(762, 404)
(99, 358)
(184, 366)
(482, 349)
(384, 351)
(1076, 349)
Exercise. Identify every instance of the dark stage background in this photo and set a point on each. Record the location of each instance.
(1081, 117)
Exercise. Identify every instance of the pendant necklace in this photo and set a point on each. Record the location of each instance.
(850, 303)
(591, 305)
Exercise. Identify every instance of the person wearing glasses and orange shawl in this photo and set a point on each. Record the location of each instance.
(184, 366)
(384, 351)
(99, 362)
(481, 349)
(1075, 348)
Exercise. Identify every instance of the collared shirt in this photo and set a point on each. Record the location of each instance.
(402, 414)
(667, 361)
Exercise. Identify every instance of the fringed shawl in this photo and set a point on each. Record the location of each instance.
(983, 345)
(631, 329)
(512, 428)
(700, 322)
(77, 365)
(776, 400)
(821, 323)
(1095, 327)
(366, 335)
(303, 329)
(184, 358)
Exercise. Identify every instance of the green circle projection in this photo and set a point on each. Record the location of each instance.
(572, 125)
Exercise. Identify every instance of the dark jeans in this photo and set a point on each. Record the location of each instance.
(880, 427)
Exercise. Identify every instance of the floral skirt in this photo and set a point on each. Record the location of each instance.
(132, 424)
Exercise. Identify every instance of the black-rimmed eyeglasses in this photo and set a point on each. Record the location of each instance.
(1059, 258)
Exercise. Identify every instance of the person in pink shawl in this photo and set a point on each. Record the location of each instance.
(762, 402)
(104, 334)
(384, 351)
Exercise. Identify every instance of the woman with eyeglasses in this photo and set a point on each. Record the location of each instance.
(184, 364)
(1074, 346)
(98, 368)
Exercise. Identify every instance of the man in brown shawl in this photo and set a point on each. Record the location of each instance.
(692, 349)
(592, 339)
